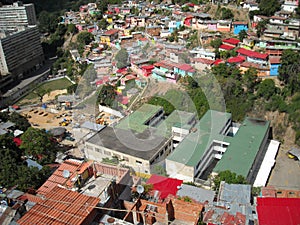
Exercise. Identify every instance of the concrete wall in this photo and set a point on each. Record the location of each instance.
(179, 170)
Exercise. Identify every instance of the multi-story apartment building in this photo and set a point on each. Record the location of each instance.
(20, 54)
(16, 15)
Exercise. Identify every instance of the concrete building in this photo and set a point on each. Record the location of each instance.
(16, 15)
(142, 139)
(218, 144)
(20, 54)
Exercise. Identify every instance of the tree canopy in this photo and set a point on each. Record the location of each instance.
(229, 177)
(268, 7)
(289, 71)
(14, 170)
(85, 37)
(122, 58)
(39, 145)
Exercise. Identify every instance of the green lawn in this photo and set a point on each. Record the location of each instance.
(50, 85)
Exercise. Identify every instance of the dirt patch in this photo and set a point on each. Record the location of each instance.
(159, 88)
(53, 94)
(44, 118)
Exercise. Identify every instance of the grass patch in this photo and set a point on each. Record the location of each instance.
(50, 85)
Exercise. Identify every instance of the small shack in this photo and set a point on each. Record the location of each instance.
(66, 101)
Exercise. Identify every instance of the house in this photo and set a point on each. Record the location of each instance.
(277, 20)
(274, 65)
(236, 60)
(252, 56)
(173, 24)
(109, 36)
(238, 26)
(277, 211)
(224, 47)
(153, 30)
(262, 70)
(250, 5)
(231, 42)
(290, 5)
(173, 209)
(232, 206)
(217, 141)
(67, 175)
(273, 192)
(203, 53)
(202, 63)
(224, 26)
(61, 206)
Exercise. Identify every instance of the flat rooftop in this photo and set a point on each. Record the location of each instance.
(177, 118)
(142, 145)
(208, 129)
(136, 120)
(243, 147)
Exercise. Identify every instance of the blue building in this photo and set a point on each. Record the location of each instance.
(274, 65)
(239, 26)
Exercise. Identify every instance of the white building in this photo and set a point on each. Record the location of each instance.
(16, 15)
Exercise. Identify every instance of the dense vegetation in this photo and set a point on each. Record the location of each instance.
(35, 144)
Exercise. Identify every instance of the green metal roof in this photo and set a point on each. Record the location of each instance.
(243, 147)
(178, 119)
(192, 148)
(136, 121)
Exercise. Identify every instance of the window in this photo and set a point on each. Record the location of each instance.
(107, 153)
(138, 162)
(98, 150)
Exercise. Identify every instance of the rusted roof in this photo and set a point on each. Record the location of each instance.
(60, 207)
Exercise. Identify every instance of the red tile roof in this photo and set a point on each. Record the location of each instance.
(226, 47)
(164, 185)
(61, 207)
(278, 211)
(232, 41)
(275, 60)
(147, 67)
(186, 67)
(73, 166)
(218, 61)
(252, 54)
(237, 59)
(250, 64)
(111, 32)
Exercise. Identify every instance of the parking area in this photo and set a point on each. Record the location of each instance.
(286, 172)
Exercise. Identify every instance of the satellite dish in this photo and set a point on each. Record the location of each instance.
(66, 173)
(140, 189)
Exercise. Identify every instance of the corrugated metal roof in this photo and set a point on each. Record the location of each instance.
(278, 211)
(60, 207)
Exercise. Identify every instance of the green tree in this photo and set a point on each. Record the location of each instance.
(268, 7)
(72, 28)
(38, 144)
(267, 89)
(250, 79)
(85, 37)
(261, 26)
(226, 14)
(289, 71)
(243, 34)
(20, 121)
(107, 95)
(122, 58)
(168, 107)
(229, 177)
(216, 43)
(102, 24)
(72, 89)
